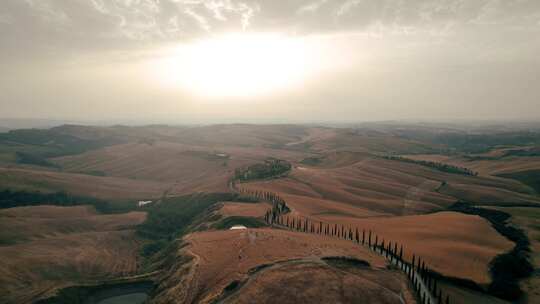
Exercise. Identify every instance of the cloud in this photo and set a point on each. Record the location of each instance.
(41, 27)
(395, 55)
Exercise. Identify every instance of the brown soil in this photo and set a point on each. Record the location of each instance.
(317, 282)
(80, 184)
(51, 247)
(244, 209)
(444, 240)
(221, 257)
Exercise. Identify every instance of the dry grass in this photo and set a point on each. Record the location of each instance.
(53, 247)
(464, 295)
(487, 195)
(316, 282)
(179, 168)
(365, 188)
(244, 209)
(451, 243)
(80, 184)
(354, 184)
(486, 167)
(222, 257)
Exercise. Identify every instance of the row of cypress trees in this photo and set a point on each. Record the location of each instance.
(418, 273)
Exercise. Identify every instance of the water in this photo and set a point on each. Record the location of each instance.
(131, 298)
(126, 293)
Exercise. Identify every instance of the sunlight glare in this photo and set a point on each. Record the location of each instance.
(237, 65)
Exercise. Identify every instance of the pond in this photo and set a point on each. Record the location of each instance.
(131, 298)
(131, 293)
(106, 293)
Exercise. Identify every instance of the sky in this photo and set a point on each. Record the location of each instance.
(200, 61)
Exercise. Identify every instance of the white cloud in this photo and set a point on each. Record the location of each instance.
(347, 6)
(201, 20)
(311, 7)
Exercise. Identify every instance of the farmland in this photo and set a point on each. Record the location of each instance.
(47, 247)
(372, 178)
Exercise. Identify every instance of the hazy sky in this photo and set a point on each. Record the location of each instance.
(269, 60)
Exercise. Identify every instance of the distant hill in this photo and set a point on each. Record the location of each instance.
(28, 123)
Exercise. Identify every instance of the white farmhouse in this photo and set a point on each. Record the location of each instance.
(143, 203)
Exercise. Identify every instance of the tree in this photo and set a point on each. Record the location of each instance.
(412, 264)
(363, 236)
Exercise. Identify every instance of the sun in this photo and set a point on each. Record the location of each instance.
(237, 65)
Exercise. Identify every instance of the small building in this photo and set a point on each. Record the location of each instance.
(143, 203)
(238, 227)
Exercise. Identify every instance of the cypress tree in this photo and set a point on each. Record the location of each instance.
(320, 227)
(369, 240)
(401, 253)
(363, 236)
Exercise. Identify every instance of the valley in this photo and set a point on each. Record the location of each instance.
(79, 210)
